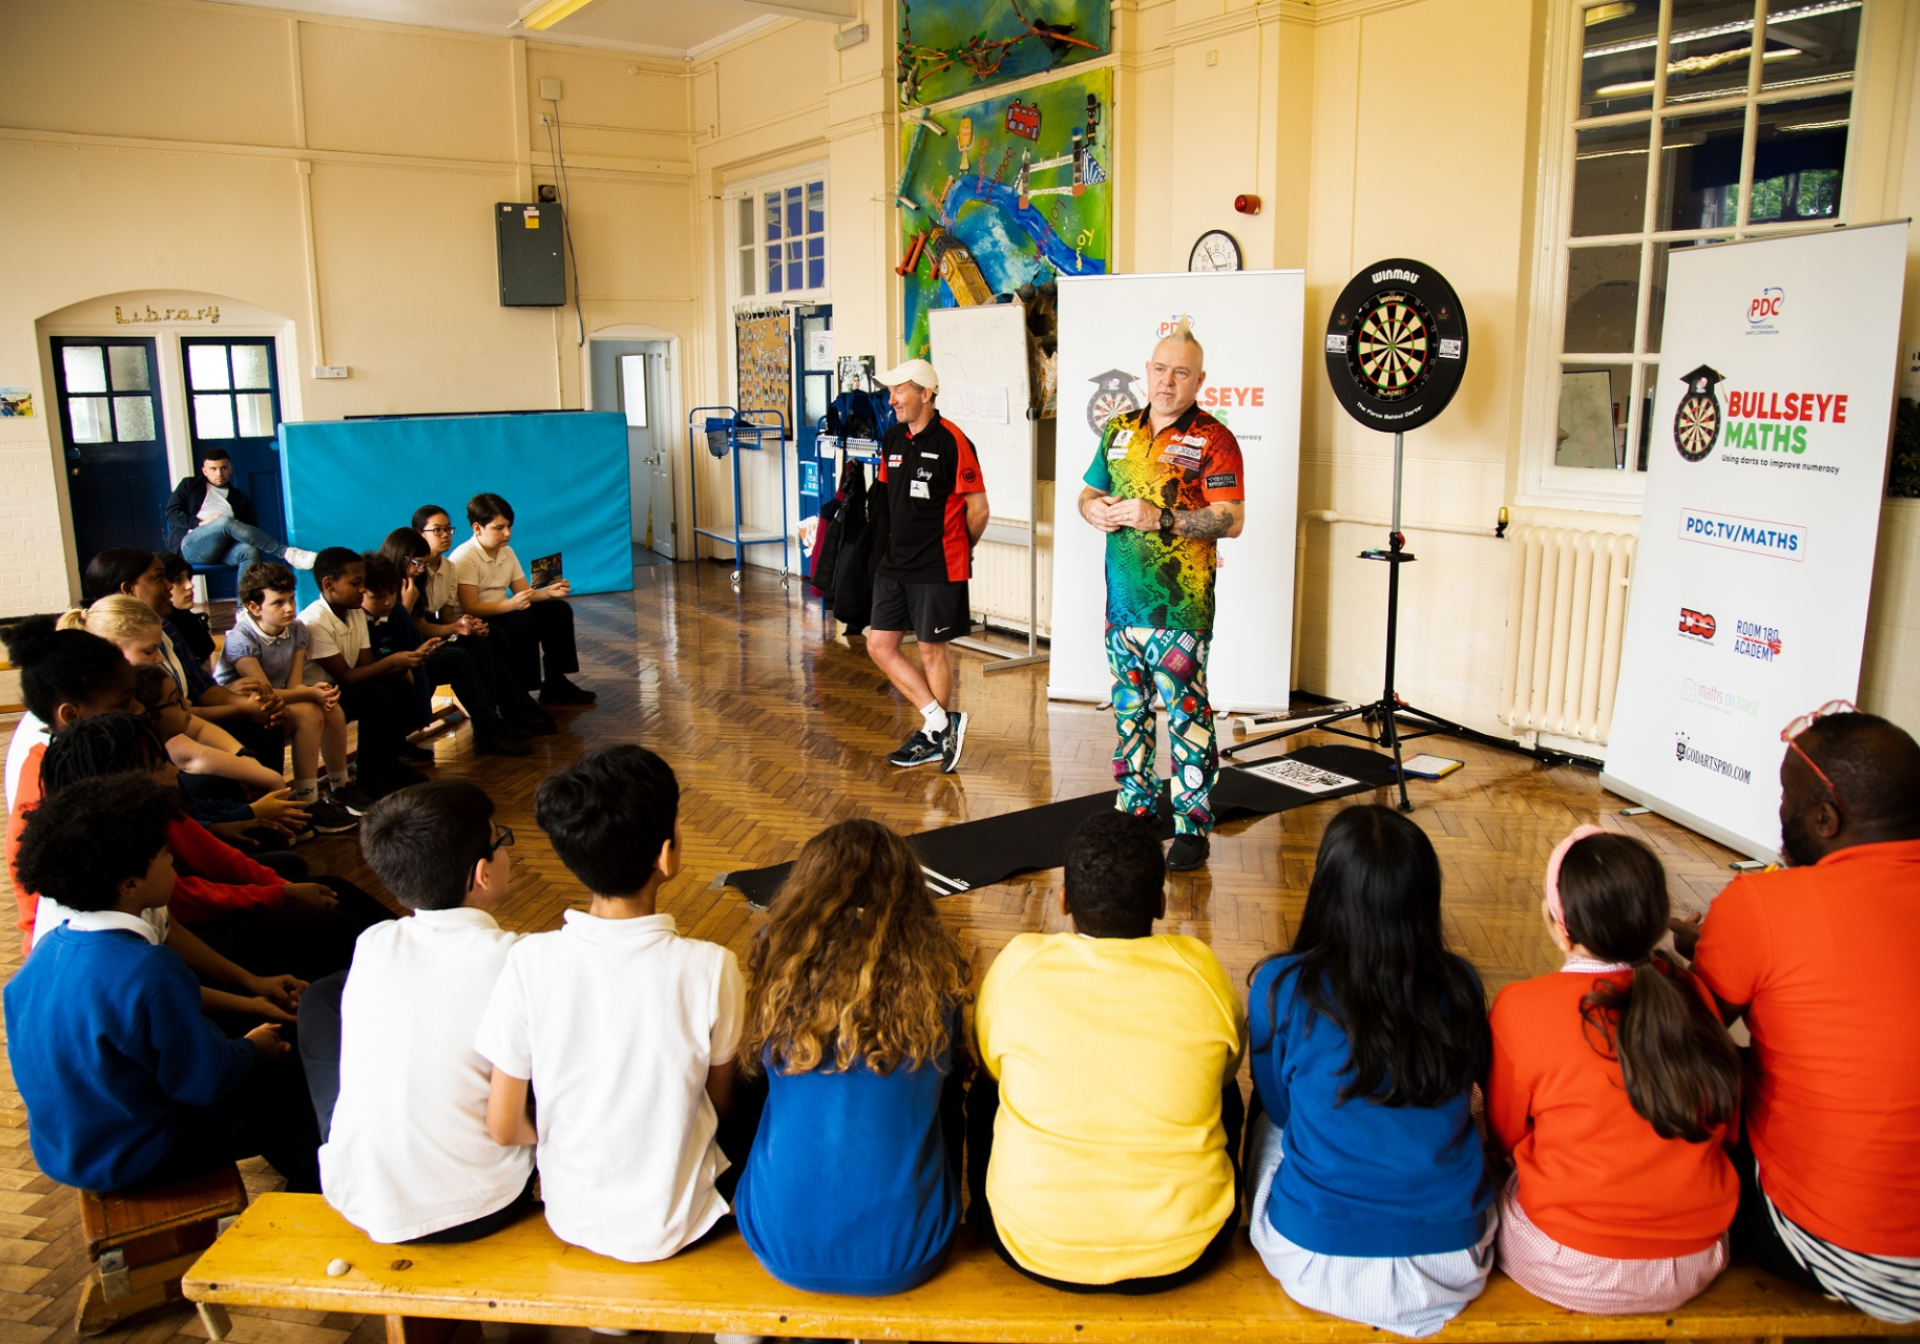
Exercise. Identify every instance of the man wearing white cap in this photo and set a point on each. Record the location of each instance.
(937, 509)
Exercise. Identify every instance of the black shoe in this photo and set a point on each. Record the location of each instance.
(916, 750)
(533, 722)
(354, 799)
(409, 754)
(497, 743)
(1188, 851)
(951, 741)
(560, 691)
(379, 786)
(332, 817)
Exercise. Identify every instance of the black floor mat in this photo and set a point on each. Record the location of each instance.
(980, 853)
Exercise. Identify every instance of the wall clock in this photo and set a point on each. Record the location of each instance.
(1216, 251)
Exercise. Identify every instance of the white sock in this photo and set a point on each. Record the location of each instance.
(936, 718)
(298, 558)
(306, 790)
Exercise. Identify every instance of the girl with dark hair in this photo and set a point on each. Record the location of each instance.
(1612, 1086)
(853, 1015)
(250, 709)
(1371, 1200)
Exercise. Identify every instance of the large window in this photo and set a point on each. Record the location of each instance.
(1681, 123)
(780, 240)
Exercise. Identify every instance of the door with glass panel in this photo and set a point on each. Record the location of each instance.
(115, 444)
(233, 402)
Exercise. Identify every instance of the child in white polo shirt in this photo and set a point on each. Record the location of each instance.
(625, 1030)
(399, 1091)
(534, 625)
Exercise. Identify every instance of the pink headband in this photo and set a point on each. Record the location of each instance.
(1554, 909)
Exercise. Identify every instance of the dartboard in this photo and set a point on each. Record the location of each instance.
(1696, 424)
(1392, 348)
(1396, 345)
(1112, 395)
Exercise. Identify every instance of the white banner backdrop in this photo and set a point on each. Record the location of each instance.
(1768, 461)
(1251, 325)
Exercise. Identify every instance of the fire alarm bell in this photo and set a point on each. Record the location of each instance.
(1247, 205)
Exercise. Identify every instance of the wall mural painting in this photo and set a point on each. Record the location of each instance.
(953, 47)
(763, 340)
(1003, 196)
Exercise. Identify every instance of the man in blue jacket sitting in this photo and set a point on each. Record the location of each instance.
(210, 522)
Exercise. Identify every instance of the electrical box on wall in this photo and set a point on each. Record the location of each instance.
(533, 273)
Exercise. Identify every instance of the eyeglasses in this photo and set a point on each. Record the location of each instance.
(437, 529)
(1806, 721)
(503, 836)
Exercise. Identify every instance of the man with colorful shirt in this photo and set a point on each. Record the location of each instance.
(936, 509)
(1165, 486)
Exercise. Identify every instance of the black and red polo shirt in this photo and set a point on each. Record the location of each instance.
(927, 478)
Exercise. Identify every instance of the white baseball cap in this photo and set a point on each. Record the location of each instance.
(913, 371)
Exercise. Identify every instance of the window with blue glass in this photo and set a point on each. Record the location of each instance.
(793, 238)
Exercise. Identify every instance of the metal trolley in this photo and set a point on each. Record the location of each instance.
(724, 431)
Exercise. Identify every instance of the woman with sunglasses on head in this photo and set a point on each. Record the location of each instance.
(1819, 959)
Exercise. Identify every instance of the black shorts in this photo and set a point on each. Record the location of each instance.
(935, 612)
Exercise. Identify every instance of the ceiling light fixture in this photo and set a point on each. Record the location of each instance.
(1813, 11)
(543, 14)
(1695, 65)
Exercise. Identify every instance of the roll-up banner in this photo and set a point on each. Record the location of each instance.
(1765, 475)
(1251, 324)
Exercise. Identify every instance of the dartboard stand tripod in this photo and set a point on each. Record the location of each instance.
(1383, 716)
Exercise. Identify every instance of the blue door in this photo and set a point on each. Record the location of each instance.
(233, 401)
(116, 448)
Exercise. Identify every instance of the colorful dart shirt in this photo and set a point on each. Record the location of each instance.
(1193, 462)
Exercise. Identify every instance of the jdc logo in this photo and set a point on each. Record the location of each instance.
(1698, 624)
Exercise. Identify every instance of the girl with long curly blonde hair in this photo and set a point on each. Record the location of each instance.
(853, 1014)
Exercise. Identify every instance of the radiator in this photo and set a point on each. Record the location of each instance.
(999, 587)
(1565, 612)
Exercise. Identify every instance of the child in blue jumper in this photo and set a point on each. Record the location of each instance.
(1371, 1199)
(126, 1083)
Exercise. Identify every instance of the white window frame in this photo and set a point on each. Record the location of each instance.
(1542, 481)
(755, 190)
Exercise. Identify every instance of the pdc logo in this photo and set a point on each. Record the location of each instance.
(1763, 310)
(1697, 625)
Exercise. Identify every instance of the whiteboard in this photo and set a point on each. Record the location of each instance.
(981, 357)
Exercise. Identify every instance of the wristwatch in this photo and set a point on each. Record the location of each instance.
(1166, 523)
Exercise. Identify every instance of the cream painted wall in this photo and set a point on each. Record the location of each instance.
(335, 175)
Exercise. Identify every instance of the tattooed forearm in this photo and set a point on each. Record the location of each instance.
(1208, 524)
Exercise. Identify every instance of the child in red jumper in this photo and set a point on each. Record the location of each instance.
(1612, 1086)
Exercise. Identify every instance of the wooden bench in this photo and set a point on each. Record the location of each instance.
(140, 1244)
(277, 1255)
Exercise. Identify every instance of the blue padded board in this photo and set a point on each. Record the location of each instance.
(350, 482)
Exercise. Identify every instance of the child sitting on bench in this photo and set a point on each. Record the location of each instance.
(269, 642)
(1104, 1161)
(188, 628)
(625, 1030)
(375, 691)
(1370, 1195)
(398, 1089)
(534, 624)
(852, 1185)
(126, 1084)
(1612, 1086)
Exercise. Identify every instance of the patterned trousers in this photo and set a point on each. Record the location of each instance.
(1175, 663)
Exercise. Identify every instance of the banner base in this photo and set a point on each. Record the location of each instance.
(1734, 841)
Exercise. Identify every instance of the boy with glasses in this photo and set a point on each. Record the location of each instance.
(399, 1091)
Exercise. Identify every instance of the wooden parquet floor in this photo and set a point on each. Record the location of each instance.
(775, 729)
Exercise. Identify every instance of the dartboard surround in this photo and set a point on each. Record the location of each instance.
(1396, 345)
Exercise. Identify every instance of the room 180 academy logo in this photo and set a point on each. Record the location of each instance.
(1688, 754)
